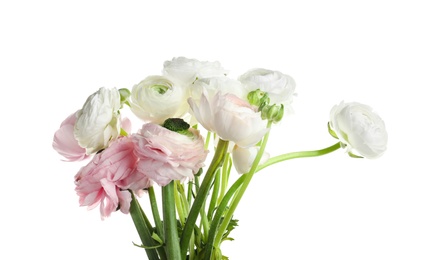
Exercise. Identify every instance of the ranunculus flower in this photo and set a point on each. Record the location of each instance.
(243, 158)
(280, 87)
(185, 71)
(105, 180)
(210, 86)
(65, 143)
(359, 128)
(166, 155)
(232, 118)
(157, 98)
(98, 122)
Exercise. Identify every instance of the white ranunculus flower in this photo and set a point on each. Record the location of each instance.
(185, 71)
(243, 158)
(279, 86)
(210, 86)
(98, 122)
(360, 129)
(232, 118)
(157, 98)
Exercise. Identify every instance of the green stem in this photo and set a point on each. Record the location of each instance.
(178, 204)
(214, 195)
(241, 191)
(225, 176)
(218, 216)
(142, 225)
(170, 224)
(155, 212)
(302, 154)
(189, 192)
(201, 195)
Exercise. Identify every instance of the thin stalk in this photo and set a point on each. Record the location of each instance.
(201, 195)
(302, 154)
(170, 224)
(242, 189)
(155, 212)
(214, 195)
(225, 176)
(189, 192)
(218, 216)
(178, 204)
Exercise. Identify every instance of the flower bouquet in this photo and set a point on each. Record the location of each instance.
(200, 130)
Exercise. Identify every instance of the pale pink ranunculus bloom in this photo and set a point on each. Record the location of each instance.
(66, 144)
(108, 176)
(165, 155)
(230, 117)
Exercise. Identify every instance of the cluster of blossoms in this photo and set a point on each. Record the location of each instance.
(169, 147)
(199, 92)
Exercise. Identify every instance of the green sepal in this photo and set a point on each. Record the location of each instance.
(332, 132)
(123, 132)
(124, 96)
(258, 98)
(354, 155)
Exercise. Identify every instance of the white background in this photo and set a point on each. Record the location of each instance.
(382, 53)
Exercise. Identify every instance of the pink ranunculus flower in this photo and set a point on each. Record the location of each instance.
(165, 155)
(232, 118)
(65, 143)
(107, 177)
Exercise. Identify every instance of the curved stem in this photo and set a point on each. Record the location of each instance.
(214, 195)
(201, 195)
(218, 215)
(302, 154)
(241, 191)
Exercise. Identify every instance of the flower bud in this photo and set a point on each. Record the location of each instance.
(273, 113)
(258, 98)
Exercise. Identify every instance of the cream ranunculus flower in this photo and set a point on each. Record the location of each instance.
(243, 158)
(157, 98)
(185, 71)
(232, 118)
(360, 129)
(280, 87)
(211, 86)
(98, 122)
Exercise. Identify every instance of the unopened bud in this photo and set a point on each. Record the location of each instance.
(258, 98)
(273, 113)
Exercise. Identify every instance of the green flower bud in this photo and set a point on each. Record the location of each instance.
(273, 113)
(258, 98)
